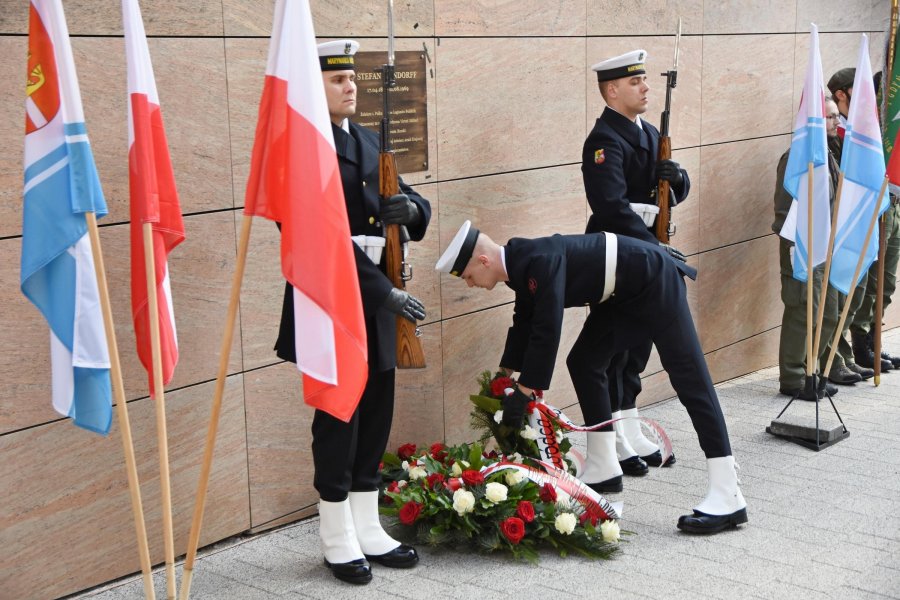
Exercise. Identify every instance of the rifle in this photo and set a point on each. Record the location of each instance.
(409, 348)
(664, 226)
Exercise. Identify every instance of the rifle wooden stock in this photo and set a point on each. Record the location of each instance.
(664, 218)
(409, 349)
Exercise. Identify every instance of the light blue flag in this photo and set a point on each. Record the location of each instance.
(862, 162)
(61, 184)
(809, 145)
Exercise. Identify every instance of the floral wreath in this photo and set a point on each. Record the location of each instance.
(462, 495)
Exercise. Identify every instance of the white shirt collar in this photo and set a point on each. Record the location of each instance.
(345, 125)
(503, 260)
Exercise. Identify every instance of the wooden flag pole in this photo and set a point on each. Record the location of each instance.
(810, 355)
(846, 310)
(820, 318)
(160, 403)
(882, 245)
(225, 352)
(134, 485)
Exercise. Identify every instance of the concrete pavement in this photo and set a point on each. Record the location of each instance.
(822, 524)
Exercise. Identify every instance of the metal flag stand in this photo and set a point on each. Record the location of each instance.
(794, 433)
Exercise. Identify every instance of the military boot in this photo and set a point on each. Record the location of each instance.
(885, 355)
(863, 353)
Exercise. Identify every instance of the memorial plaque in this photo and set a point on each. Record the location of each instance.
(409, 111)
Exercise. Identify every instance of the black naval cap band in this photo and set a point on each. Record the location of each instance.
(619, 72)
(341, 62)
(465, 252)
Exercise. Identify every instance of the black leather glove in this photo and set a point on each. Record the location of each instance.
(670, 171)
(514, 409)
(399, 210)
(674, 252)
(404, 305)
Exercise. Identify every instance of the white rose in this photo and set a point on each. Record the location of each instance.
(463, 501)
(495, 492)
(610, 531)
(498, 416)
(402, 483)
(528, 433)
(417, 473)
(516, 457)
(456, 470)
(405, 465)
(514, 476)
(565, 523)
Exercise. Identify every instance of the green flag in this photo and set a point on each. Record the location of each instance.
(891, 96)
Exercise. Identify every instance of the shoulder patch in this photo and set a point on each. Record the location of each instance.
(599, 156)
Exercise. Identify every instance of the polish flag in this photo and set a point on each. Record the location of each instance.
(154, 198)
(294, 180)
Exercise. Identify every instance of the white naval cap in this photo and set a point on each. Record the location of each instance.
(338, 55)
(625, 65)
(457, 255)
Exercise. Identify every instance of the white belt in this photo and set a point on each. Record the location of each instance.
(372, 245)
(612, 255)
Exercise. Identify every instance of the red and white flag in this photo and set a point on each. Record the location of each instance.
(154, 198)
(295, 180)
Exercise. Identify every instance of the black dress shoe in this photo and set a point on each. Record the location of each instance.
(844, 376)
(863, 372)
(634, 466)
(608, 486)
(401, 557)
(703, 523)
(654, 460)
(356, 571)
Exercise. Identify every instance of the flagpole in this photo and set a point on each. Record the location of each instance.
(820, 318)
(882, 245)
(160, 403)
(859, 262)
(225, 352)
(134, 485)
(810, 355)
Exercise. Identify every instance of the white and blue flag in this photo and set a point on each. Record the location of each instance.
(809, 145)
(61, 184)
(862, 162)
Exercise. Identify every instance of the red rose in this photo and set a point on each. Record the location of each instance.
(434, 480)
(453, 484)
(406, 451)
(525, 510)
(539, 394)
(548, 493)
(585, 517)
(514, 529)
(438, 451)
(472, 477)
(393, 487)
(499, 385)
(410, 512)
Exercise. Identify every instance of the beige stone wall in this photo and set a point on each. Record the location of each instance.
(509, 104)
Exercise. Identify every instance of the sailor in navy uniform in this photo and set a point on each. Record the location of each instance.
(638, 292)
(346, 455)
(620, 170)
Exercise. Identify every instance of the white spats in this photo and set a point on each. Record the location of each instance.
(723, 496)
(337, 533)
(373, 540)
(631, 429)
(623, 449)
(601, 463)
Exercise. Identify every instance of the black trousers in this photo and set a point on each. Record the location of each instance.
(346, 455)
(624, 375)
(649, 303)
